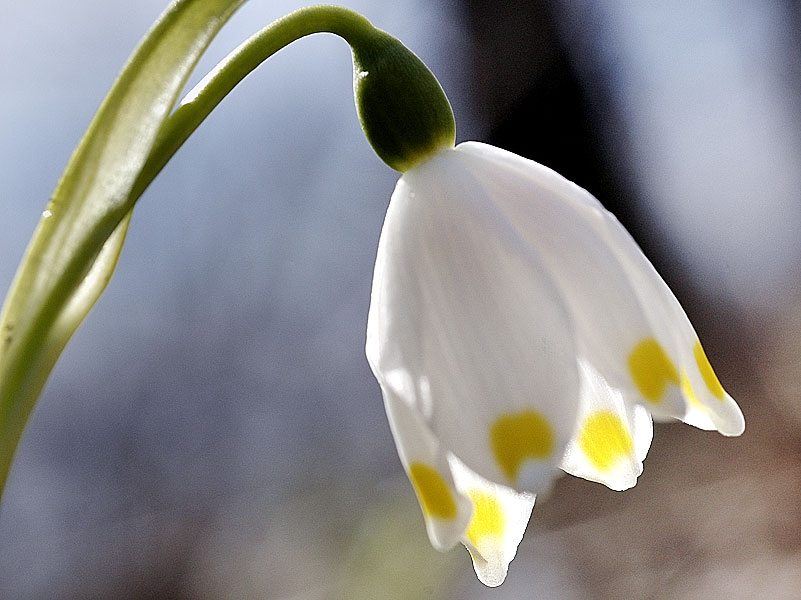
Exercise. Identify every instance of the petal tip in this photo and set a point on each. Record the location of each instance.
(490, 573)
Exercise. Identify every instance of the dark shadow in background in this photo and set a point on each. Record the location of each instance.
(531, 96)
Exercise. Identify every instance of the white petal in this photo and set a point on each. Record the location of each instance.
(568, 228)
(464, 309)
(708, 404)
(628, 323)
(500, 517)
(705, 404)
(446, 510)
(612, 438)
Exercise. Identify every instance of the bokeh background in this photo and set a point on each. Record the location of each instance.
(213, 430)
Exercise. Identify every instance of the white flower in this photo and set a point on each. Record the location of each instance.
(515, 329)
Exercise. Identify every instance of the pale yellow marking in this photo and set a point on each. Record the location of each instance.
(435, 496)
(488, 517)
(652, 370)
(519, 437)
(689, 392)
(605, 439)
(711, 380)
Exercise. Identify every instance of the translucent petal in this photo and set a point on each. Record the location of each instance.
(446, 510)
(612, 438)
(515, 326)
(708, 406)
(463, 308)
(704, 403)
(567, 228)
(500, 517)
(628, 323)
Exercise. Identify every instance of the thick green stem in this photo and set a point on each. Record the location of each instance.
(77, 241)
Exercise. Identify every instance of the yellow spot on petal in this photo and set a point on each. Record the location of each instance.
(435, 496)
(652, 369)
(488, 517)
(605, 439)
(689, 393)
(707, 373)
(519, 437)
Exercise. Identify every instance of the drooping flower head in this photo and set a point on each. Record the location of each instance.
(516, 329)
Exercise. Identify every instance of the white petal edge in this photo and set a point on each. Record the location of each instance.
(500, 518)
(446, 511)
(701, 407)
(612, 438)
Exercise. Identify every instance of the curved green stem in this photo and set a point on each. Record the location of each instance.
(206, 95)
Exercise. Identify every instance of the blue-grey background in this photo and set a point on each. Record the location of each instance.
(213, 430)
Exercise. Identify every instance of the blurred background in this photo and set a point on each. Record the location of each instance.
(213, 429)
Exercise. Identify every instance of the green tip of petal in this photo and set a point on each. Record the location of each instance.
(402, 108)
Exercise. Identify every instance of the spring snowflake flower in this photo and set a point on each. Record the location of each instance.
(516, 329)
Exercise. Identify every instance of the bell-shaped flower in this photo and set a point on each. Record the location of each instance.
(516, 329)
